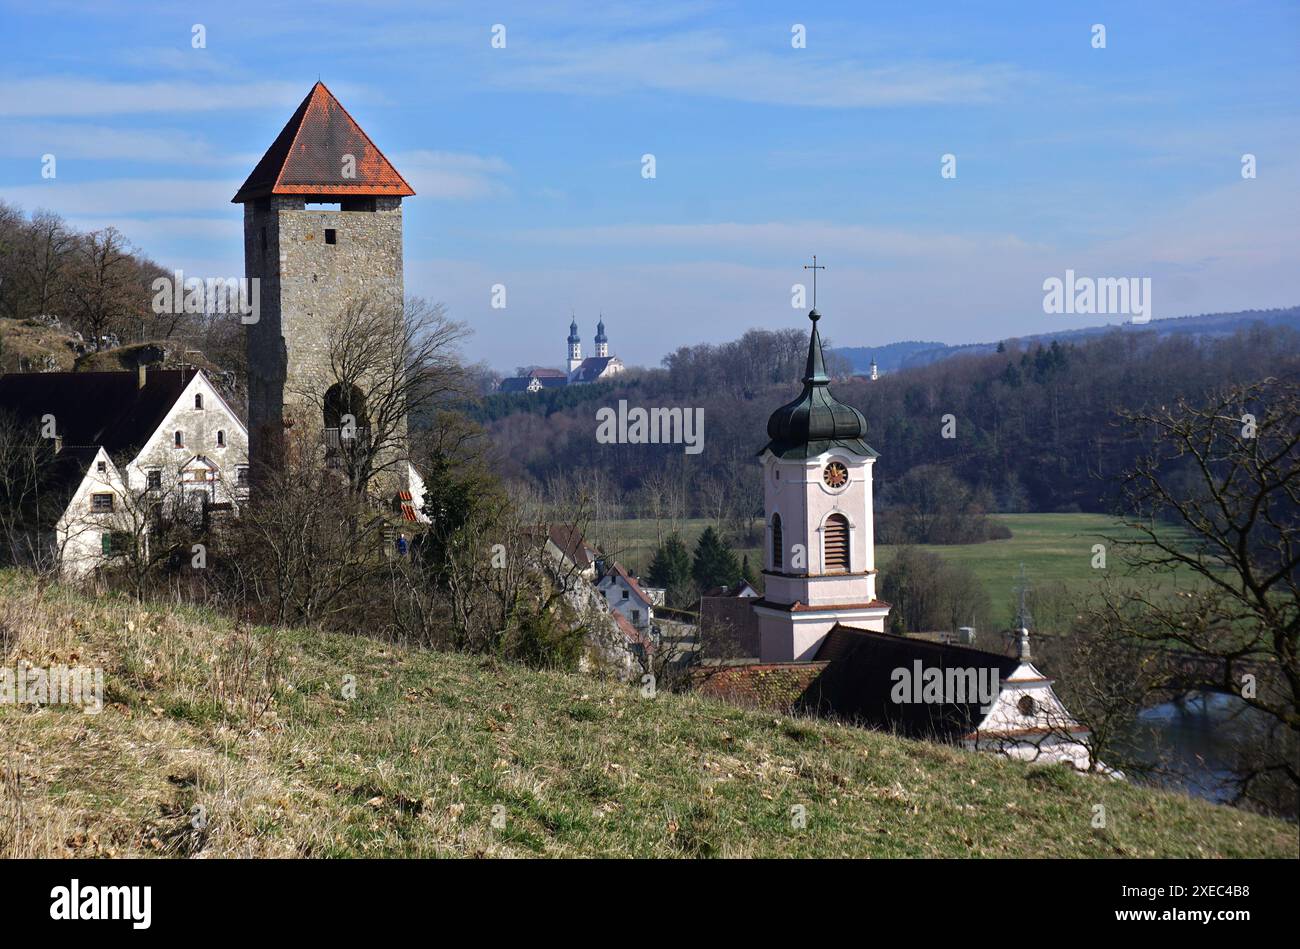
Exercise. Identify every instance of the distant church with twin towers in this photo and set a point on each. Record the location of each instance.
(598, 368)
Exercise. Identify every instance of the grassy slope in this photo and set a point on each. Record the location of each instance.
(416, 763)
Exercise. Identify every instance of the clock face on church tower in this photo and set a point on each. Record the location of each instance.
(835, 475)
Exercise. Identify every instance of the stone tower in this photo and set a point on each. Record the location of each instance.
(820, 560)
(322, 232)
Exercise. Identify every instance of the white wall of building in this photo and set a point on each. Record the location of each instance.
(79, 532)
(213, 439)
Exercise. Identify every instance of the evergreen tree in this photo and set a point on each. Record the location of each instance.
(715, 564)
(671, 569)
(747, 573)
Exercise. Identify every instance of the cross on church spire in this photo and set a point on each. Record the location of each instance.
(814, 267)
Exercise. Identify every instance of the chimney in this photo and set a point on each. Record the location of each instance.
(141, 371)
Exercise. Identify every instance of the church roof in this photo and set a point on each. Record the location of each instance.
(816, 422)
(591, 368)
(307, 157)
(859, 681)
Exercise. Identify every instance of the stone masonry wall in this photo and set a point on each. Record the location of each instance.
(306, 286)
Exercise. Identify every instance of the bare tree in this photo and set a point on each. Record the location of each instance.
(305, 546)
(1216, 495)
(28, 505)
(45, 260)
(1105, 679)
(387, 364)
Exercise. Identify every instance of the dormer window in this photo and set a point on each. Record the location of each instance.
(198, 401)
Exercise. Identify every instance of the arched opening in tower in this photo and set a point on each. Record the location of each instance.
(347, 426)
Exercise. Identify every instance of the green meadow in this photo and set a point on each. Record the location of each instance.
(1056, 550)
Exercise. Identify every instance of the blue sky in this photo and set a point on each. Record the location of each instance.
(1123, 161)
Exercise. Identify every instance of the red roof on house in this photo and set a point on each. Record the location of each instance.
(307, 157)
(631, 581)
(630, 632)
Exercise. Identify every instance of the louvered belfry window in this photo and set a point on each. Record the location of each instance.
(836, 540)
(777, 542)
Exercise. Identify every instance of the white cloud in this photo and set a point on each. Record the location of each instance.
(710, 64)
(56, 96)
(452, 175)
(80, 141)
(124, 196)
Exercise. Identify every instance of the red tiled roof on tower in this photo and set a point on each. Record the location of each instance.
(307, 157)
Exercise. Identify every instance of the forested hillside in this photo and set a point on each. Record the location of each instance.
(1033, 427)
(911, 354)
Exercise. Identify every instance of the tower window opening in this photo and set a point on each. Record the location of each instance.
(264, 240)
(835, 539)
(777, 542)
(198, 400)
(331, 236)
(221, 439)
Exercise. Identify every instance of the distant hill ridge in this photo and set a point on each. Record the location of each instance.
(894, 356)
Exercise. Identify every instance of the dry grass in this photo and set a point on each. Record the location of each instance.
(218, 741)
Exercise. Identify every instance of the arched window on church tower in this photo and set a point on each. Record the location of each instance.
(835, 541)
(777, 542)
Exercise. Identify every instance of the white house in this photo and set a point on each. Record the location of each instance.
(625, 594)
(197, 453)
(127, 445)
(96, 522)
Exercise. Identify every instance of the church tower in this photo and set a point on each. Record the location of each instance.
(602, 341)
(322, 232)
(819, 562)
(575, 347)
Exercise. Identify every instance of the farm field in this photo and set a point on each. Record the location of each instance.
(1056, 550)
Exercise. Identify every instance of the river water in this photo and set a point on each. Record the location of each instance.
(1196, 741)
